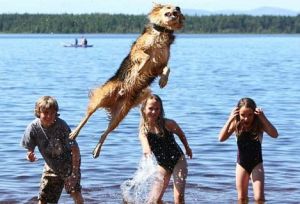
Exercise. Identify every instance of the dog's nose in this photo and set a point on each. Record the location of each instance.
(177, 8)
(175, 13)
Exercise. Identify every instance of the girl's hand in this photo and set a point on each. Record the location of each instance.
(259, 112)
(267, 125)
(234, 113)
(189, 152)
(147, 154)
(31, 156)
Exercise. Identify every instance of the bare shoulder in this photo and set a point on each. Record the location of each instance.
(170, 124)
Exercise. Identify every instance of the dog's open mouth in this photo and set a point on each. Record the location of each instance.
(175, 18)
(174, 15)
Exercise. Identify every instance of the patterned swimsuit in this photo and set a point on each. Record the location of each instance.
(165, 149)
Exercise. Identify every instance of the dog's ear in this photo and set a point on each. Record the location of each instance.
(156, 5)
(153, 15)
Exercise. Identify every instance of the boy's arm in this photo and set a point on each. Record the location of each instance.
(29, 143)
(31, 156)
(72, 180)
(75, 158)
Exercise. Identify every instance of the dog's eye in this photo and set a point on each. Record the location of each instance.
(168, 14)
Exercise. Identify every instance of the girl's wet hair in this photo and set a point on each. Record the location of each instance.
(161, 117)
(248, 103)
(45, 103)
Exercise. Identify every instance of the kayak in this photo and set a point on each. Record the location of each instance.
(73, 45)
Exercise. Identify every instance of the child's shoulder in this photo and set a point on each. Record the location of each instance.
(34, 123)
(168, 120)
(170, 123)
(33, 127)
(62, 123)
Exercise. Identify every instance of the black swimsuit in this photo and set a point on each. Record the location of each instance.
(165, 149)
(249, 151)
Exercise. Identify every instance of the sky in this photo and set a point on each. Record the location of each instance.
(135, 6)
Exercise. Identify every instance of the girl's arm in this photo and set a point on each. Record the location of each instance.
(172, 126)
(266, 124)
(144, 142)
(228, 128)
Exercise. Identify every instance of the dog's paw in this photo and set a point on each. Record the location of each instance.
(163, 81)
(72, 136)
(96, 151)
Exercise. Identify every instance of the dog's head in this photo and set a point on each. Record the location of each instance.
(167, 16)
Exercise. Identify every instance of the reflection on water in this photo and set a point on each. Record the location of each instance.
(209, 74)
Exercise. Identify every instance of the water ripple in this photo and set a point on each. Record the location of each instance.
(208, 76)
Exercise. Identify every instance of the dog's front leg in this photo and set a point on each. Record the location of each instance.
(164, 77)
(141, 58)
(118, 113)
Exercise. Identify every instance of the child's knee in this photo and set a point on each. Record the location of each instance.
(259, 199)
(179, 198)
(77, 197)
(243, 199)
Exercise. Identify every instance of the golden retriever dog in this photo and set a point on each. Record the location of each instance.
(148, 59)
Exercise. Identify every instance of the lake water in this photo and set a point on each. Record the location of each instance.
(209, 74)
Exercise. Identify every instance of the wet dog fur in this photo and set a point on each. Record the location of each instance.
(148, 59)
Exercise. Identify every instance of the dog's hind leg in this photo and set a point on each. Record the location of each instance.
(117, 115)
(88, 114)
(98, 99)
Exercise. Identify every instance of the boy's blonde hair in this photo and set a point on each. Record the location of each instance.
(44, 103)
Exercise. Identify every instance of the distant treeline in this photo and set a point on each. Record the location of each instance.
(121, 23)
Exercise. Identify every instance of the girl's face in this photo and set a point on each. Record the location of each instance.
(152, 110)
(48, 117)
(246, 116)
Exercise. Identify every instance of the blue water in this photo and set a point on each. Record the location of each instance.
(209, 74)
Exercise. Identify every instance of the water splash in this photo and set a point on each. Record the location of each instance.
(137, 189)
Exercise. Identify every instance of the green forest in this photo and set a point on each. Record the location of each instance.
(121, 23)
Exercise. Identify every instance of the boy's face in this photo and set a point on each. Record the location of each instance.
(48, 117)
